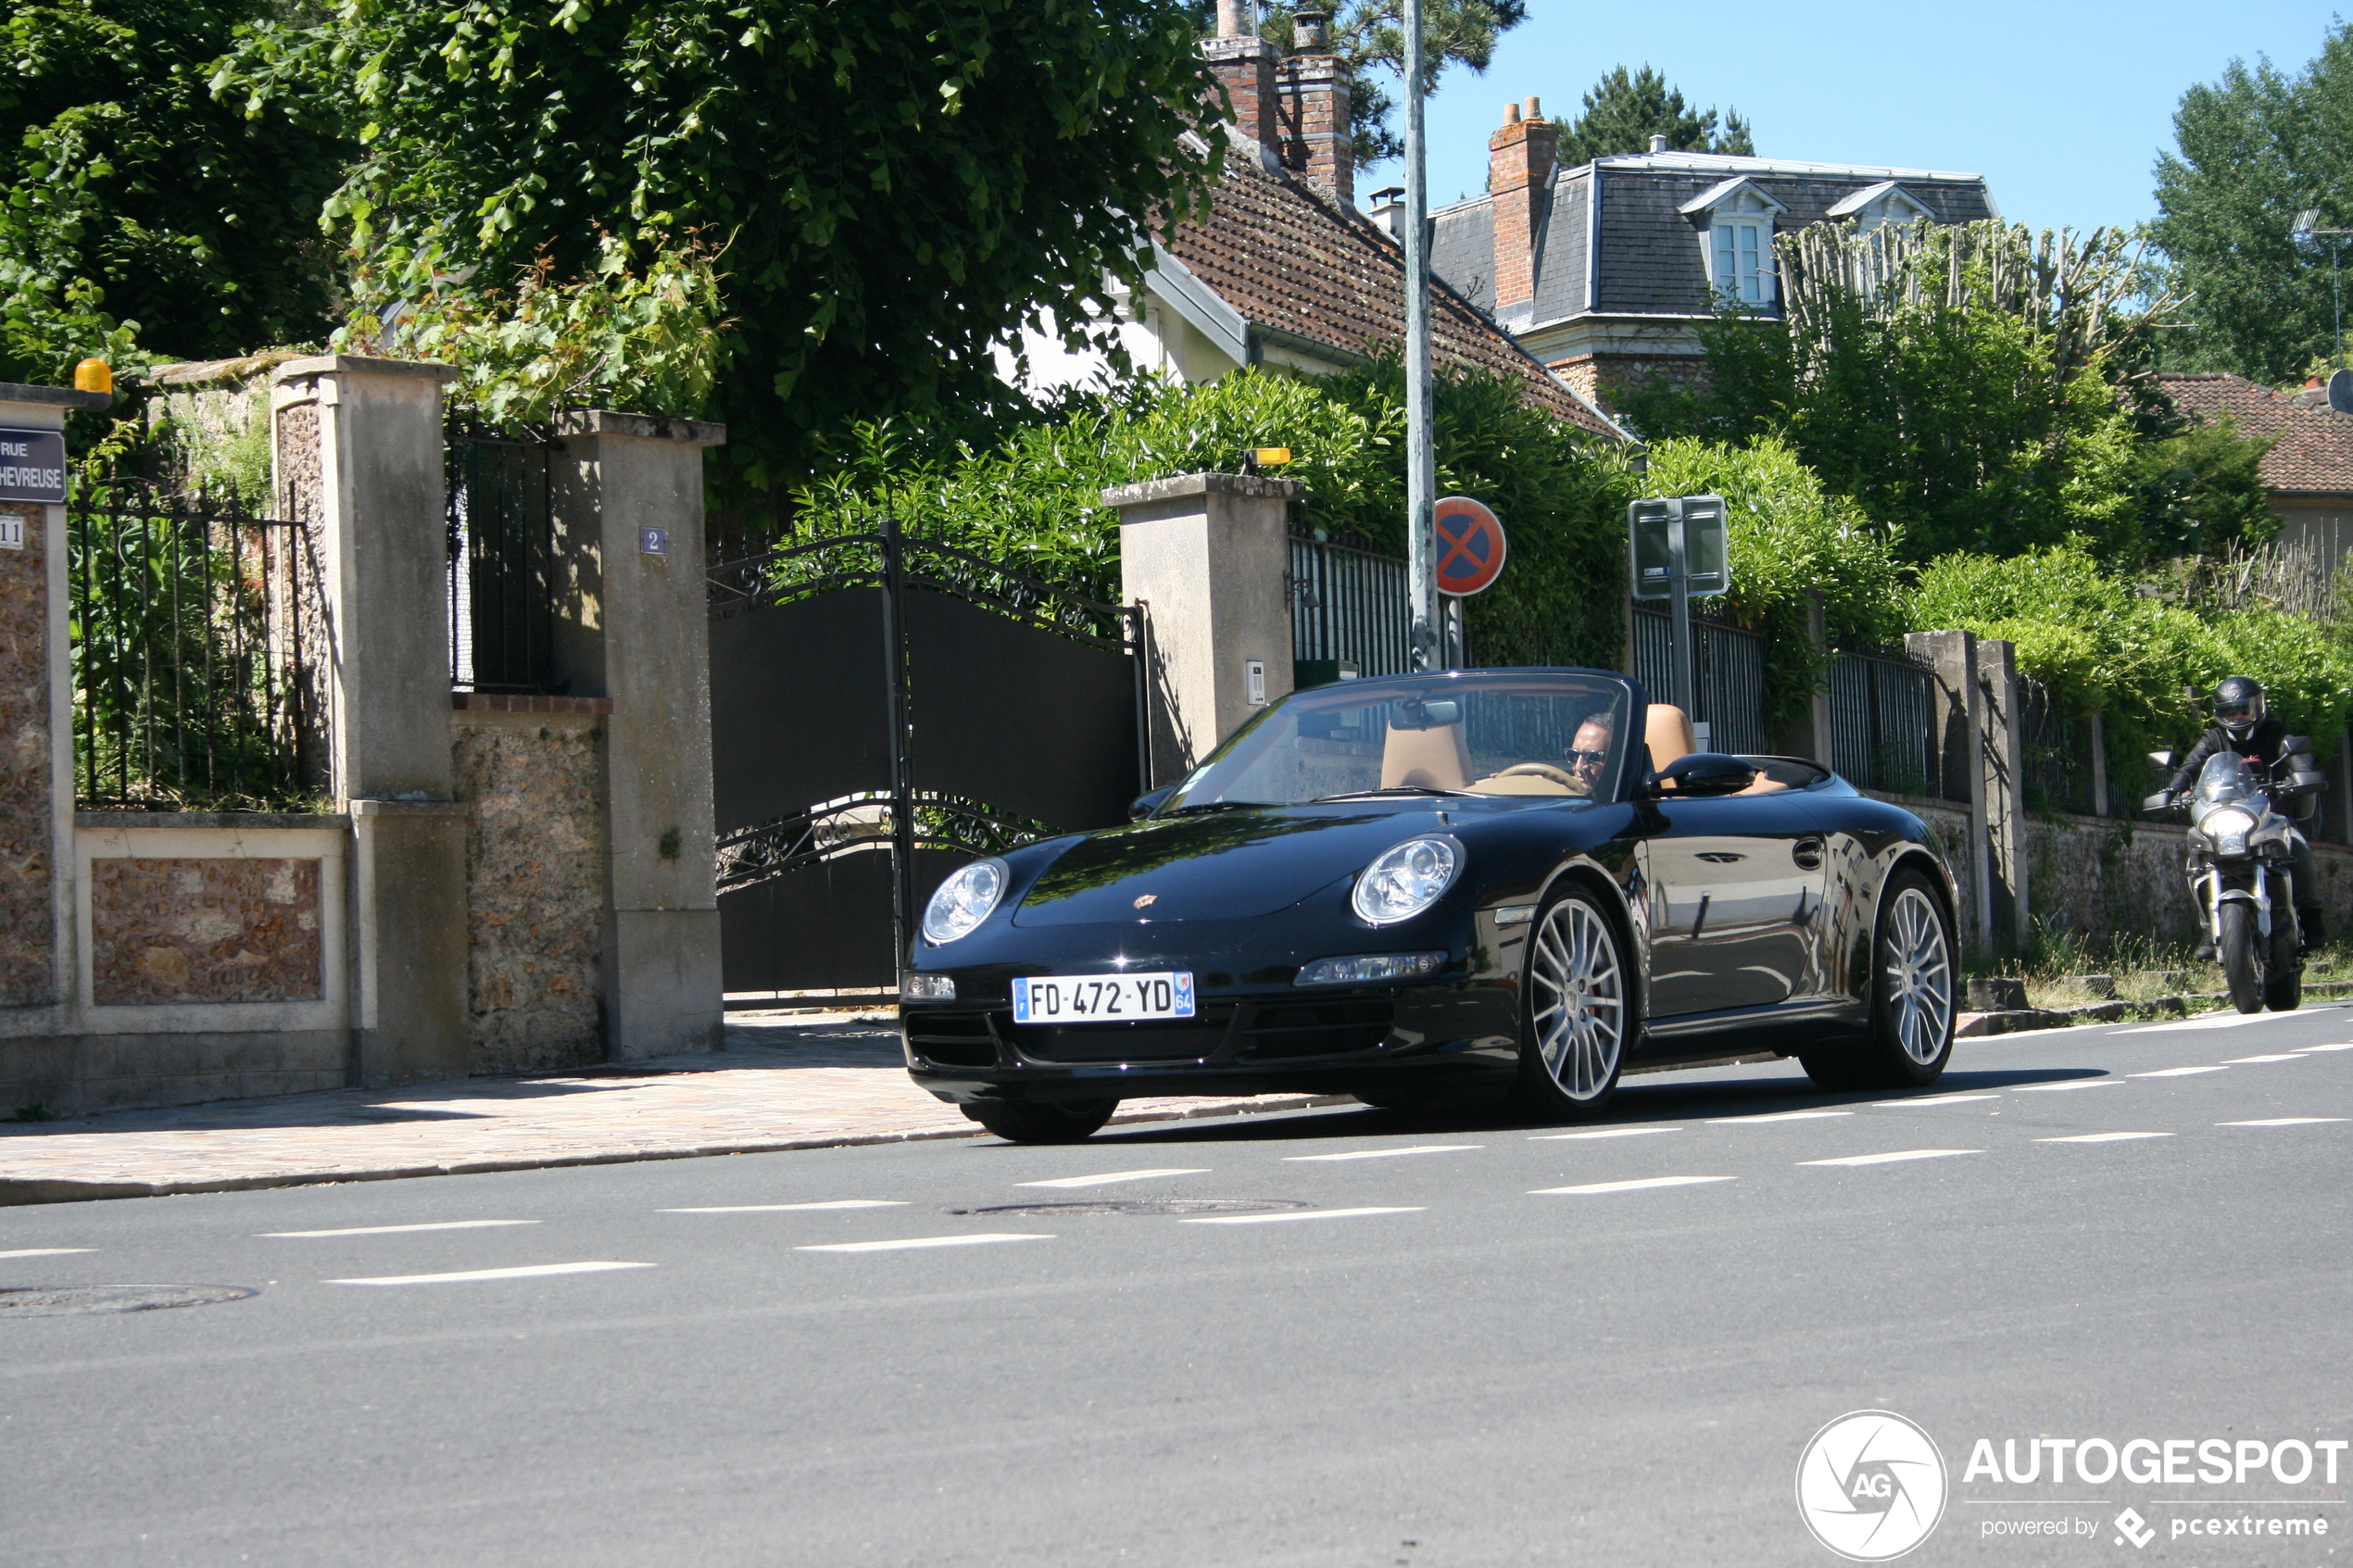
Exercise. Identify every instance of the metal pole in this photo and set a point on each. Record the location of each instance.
(1679, 583)
(1421, 463)
(902, 801)
(2336, 292)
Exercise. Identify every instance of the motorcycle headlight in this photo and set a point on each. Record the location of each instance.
(1405, 879)
(965, 900)
(2229, 827)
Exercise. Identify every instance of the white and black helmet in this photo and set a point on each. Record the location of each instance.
(2238, 706)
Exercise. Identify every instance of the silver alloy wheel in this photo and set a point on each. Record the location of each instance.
(1919, 974)
(1578, 998)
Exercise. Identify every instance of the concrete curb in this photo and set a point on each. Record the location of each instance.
(1978, 1025)
(14, 1191)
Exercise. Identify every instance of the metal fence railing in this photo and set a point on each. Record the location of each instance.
(1883, 719)
(1728, 679)
(189, 652)
(1350, 605)
(2055, 750)
(501, 536)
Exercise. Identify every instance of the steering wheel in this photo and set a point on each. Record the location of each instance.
(1543, 770)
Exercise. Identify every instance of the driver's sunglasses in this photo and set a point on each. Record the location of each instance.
(1595, 757)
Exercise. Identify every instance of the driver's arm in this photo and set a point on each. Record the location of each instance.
(2209, 744)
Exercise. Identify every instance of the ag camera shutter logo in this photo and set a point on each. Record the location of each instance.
(1870, 1486)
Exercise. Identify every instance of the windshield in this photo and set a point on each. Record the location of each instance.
(1534, 733)
(2225, 777)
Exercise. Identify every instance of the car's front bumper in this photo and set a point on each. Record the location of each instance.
(1241, 1041)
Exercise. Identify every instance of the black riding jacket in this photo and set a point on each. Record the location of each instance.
(2264, 745)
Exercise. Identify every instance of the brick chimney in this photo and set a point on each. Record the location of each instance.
(1314, 129)
(1519, 178)
(1245, 63)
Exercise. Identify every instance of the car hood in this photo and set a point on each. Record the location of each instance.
(1220, 865)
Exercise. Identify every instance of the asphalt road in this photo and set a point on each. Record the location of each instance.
(1436, 1362)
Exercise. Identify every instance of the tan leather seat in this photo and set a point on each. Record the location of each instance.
(1668, 734)
(1435, 758)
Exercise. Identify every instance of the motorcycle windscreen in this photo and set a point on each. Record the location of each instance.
(2225, 777)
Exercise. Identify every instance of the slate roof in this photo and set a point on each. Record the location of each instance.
(2313, 448)
(1651, 261)
(1290, 259)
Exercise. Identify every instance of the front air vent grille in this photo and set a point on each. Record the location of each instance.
(1328, 1027)
(1173, 1039)
(953, 1039)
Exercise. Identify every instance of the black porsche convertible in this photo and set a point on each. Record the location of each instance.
(1428, 888)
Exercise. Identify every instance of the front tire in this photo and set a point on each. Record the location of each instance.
(1023, 1121)
(2236, 949)
(1912, 987)
(1577, 1015)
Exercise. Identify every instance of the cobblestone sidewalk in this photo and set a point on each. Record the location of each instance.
(781, 1084)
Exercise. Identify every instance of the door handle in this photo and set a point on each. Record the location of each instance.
(1807, 854)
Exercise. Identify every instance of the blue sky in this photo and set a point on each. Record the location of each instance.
(2062, 105)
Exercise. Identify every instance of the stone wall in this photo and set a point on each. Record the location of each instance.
(209, 930)
(533, 785)
(27, 926)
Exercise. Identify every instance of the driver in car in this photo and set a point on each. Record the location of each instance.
(1587, 751)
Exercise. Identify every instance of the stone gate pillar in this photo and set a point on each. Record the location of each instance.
(1208, 557)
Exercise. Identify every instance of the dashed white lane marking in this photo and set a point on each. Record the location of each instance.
(2176, 1071)
(1114, 1176)
(2240, 1060)
(1294, 1214)
(1603, 1133)
(791, 1207)
(2105, 1137)
(2056, 1088)
(1893, 1157)
(45, 1251)
(1936, 1100)
(1384, 1153)
(2283, 1122)
(2211, 1021)
(1774, 1116)
(1643, 1184)
(529, 1271)
(976, 1238)
(388, 1230)
(2307, 1050)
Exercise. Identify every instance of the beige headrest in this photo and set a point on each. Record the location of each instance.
(1435, 758)
(1668, 734)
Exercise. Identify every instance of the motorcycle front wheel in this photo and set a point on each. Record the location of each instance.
(2283, 991)
(2235, 948)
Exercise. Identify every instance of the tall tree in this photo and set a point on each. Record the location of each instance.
(2253, 150)
(1370, 35)
(1623, 112)
(135, 197)
(894, 186)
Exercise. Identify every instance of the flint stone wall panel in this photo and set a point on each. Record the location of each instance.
(186, 929)
(533, 789)
(28, 950)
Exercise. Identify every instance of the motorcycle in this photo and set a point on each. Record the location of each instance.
(2242, 852)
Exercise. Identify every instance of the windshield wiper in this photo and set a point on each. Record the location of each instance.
(1392, 789)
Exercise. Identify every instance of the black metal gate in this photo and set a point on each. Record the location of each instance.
(884, 709)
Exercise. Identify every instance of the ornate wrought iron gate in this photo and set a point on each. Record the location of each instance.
(883, 709)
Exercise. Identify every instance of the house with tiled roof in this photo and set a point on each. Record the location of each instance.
(1285, 271)
(2308, 472)
(1604, 271)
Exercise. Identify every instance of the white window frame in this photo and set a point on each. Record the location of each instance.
(1736, 243)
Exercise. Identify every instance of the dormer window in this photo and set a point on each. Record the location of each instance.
(1736, 222)
(1875, 206)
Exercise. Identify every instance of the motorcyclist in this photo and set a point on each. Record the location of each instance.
(2243, 725)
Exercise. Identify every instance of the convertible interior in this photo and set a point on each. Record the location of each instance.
(1439, 758)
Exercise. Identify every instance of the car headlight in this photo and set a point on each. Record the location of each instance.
(964, 900)
(1405, 879)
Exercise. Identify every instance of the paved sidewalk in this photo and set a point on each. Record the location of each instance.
(783, 1083)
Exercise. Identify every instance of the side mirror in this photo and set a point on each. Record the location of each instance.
(1145, 805)
(2291, 745)
(2162, 758)
(1702, 773)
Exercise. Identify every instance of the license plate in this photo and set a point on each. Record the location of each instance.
(1102, 999)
